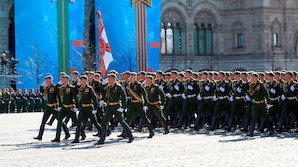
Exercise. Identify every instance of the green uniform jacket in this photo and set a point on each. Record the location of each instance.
(67, 95)
(222, 84)
(86, 95)
(235, 85)
(191, 83)
(155, 94)
(50, 93)
(206, 84)
(115, 93)
(258, 93)
(138, 90)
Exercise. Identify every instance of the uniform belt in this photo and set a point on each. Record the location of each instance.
(291, 98)
(223, 97)
(6, 99)
(190, 96)
(259, 102)
(52, 105)
(239, 98)
(128, 97)
(87, 105)
(68, 106)
(135, 101)
(176, 95)
(273, 99)
(115, 103)
(207, 97)
(154, 103)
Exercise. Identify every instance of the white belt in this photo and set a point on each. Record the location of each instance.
(223, 97)
(239, 98)
(207, 97)
(190, 96)
(291, 98)
(273, 99)
(176, 95)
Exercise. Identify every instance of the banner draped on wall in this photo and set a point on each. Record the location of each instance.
(133, 30)
(48, 36)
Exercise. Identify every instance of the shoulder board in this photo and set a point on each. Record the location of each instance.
(71, 86)
(54, 85)
(155, 85)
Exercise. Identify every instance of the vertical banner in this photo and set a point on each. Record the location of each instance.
(48, 36)
(133, 30)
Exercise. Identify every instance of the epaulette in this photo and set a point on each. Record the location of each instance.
(155, 85)
(71, 86)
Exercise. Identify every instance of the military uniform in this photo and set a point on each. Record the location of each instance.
(38, 102)
(205, 97)
(260, 99)
(156, 98)
(51, 96)
(87, 105)
(19, 99)
(114, 94)
(67, 101)
(12, 105)
(25, 101)
(31, 101)
(274, 90)
(6, 99)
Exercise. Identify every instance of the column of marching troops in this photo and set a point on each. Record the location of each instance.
(205, 100)
(12, 101)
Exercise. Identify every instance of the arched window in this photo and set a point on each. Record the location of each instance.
(203, 39)
(171, 40)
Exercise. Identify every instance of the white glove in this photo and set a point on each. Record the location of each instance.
(176, 87)
(247, 98)
(2, 102)
(106, 81)
(214, 98)
(283, 97)
(145, 108)
(272, 91)
(231, 98)
(183, 96)
(75, 109)
(207, 88)
(120, 109)
(161, 87)
(79, 84)
(161, 107)
(169, 95)
(94, 111)
(239, 90)
(189, 87)
(222, 89)
(60, 83)
(9, 102)
(101, 103)
(249, 81)
(44, 84)
(268, 106)
(292, 88)
(59, 108)
(199, 97)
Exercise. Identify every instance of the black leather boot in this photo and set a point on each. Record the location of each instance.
(150, 127)
(58, 133)
(67, 135)
(251, 129)
(77, 140)
(41, 130)
(211, 128)
(102, 137)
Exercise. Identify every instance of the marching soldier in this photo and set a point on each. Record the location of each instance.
(189, 96)
(38, 101)
(205, 97)
(221, 98)
(237, 96)
(260, 102)
(87, 106)
(67, 105)
(114, 94)
(51, 94)
(6, 98)
(139, 102)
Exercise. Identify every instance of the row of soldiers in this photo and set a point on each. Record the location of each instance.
(12, 101)
(217, 99)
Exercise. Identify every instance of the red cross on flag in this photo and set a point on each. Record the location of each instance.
(104, 49)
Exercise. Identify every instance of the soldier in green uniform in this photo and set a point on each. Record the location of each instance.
(67, 105)
(139, 102)
(12, 100)
(156, 98)
(1, 99)
(38, 101)
(248, 103)
(19, 98)
(87, 106)
(289, 99)
(25, 100)
(6, 98)
(260, 101)
(114, 94)
(221, 98)
(51, 93)
(189, 96)
(175, 103)
(205, 97)
(31, 100)
(237, 95)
